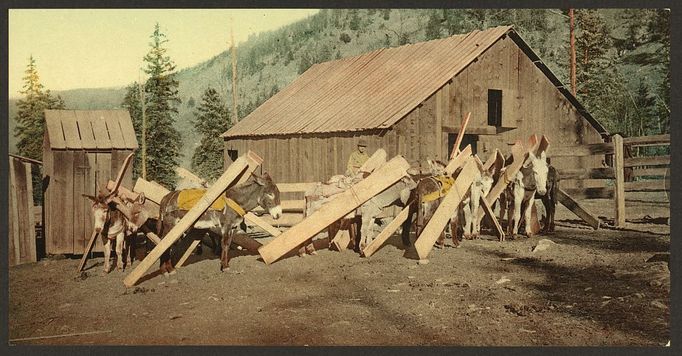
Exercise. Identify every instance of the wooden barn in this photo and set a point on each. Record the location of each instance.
(410, 100)
(82, 150)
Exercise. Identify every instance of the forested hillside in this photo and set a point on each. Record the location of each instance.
(623, 59)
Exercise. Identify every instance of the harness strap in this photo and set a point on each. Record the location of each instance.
(234, 206)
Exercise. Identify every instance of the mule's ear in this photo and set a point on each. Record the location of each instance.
(529, 160)
(259, 180)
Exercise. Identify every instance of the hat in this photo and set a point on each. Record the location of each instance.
(362, 142)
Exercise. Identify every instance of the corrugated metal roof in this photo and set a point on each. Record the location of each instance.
(370, 91)
(90, 129)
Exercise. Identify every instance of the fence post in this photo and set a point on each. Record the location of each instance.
(618, 168)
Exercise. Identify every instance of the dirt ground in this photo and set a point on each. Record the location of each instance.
(605, 287)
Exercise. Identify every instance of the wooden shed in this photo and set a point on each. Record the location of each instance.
(409, 100)
(82, 150)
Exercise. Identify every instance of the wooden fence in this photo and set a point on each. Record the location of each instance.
(629, 174)
(22, 216)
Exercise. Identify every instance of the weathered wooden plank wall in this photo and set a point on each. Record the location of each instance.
(22, 238)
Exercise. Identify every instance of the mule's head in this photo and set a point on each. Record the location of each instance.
(436, 168)
(540, 169)
(100, 210)
(269, 200)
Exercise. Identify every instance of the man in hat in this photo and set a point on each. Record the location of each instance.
(357, 159)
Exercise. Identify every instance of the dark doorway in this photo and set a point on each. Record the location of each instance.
(466, 140)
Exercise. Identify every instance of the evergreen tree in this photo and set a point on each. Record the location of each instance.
(30, 115)
(30, 119)
(354, 20)
(161, 102)
(433, 26)
(212, 119)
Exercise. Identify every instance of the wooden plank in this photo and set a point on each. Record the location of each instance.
(653, 140)
(85, 130)
(491, 214)
(657, 185)
(341, 240)
(14, 240)
(651, 172)
(186, 174)
(55, 131)
(618, 167)
(438, 126)
(188, 220)
(575, 207)
(99, 128)
(443, 213)
(91, 187)
(519, 153)
(255, 220)
(458, 161)
(127, 129)
(646, 161)
(460, 135)
(583, 150)
(586, 173)
(375, 161)
(383, 236)
(188, 252)
(25, 209)
(286, 220)
(71, 135)
(473, 130)
(151, 191)
(82, 228)
(591, 193)
(86, 251)
(295, 187)
(341, 205)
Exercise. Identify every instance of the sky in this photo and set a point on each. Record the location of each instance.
(96, 48)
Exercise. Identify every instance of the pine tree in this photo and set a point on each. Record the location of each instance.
(212, 119)
(30, 119)
(433, 26)
(161, 102)
(30, 115)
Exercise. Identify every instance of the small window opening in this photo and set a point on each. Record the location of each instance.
(494, 107)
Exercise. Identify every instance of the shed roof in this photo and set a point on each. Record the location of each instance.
(90, 129)
(376, 89)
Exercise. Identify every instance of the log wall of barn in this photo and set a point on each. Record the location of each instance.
(530, 104)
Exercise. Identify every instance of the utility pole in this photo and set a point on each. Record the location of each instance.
(144, 128)
(573, 80)
(235, 115)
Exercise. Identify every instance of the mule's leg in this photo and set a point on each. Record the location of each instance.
(119, 251)
(475, 204)
(107, 255)
(517, 213)
(468, 220)
(127, 250)
(527, 215)
(332, 230)
(407, 226)
(225, 255)
(454, 226)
